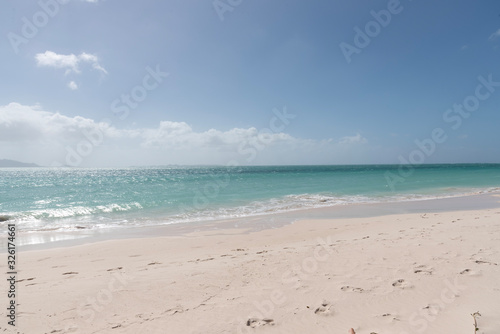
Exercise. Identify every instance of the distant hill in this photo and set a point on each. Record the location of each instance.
(13, 163)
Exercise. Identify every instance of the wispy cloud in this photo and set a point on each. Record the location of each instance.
(30, 122)
(71, 63)
(495, 35)
(357, 139)
(180, 135)
(72, 85)
(47, 135)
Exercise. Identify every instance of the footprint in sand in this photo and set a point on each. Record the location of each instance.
(470, 272)
(485, 262)
(154, 263)
(175, 310)
(254, 322)
(402, 284)
(390, 317)
(27, 279)
(325, 309)
(113, 269)
(352, 289)
(422, 269)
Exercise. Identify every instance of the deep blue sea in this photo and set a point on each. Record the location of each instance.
(65, 199)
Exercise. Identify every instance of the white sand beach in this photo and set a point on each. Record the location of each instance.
(402, 274)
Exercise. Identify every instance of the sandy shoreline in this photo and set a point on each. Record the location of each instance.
(400, 273)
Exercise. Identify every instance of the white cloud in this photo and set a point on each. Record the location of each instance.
(357, 139)
(72, 85)
(180, 135)
(29, 133)
(19, 123)
(495, 35)
(69, 62)
(52, 59)
(32, 123)
(89, 58)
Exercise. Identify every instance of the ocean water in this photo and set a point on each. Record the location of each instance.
(66, 199)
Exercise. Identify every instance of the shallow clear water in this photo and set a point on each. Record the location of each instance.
(69, 199)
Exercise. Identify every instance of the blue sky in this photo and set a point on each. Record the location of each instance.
(232, 67)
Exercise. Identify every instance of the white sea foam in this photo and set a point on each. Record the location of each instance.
(69, 218)
(133, 214)
(305, 201)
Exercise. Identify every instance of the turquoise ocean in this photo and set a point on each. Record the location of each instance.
(67, 199)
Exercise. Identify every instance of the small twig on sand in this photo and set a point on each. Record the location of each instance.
(475, 315)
